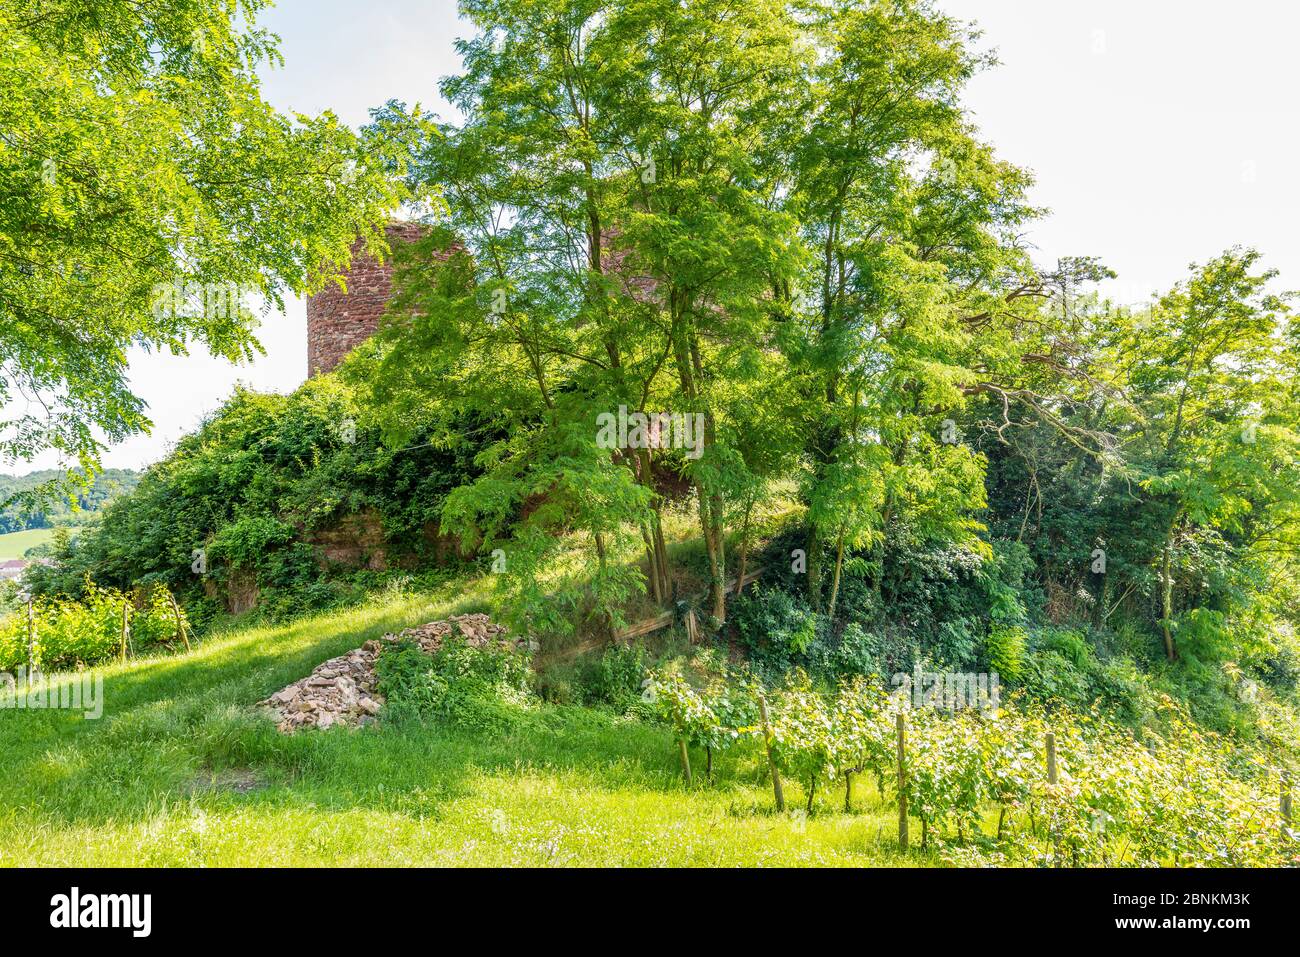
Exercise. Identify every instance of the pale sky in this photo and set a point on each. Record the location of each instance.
(1161, 133)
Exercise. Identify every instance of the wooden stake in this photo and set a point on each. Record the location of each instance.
(126, 629)
(180, 622)
(1051, 780)
(31, 642)
(902, 782)
(686, 759)
(1285, 805)
(771, 760)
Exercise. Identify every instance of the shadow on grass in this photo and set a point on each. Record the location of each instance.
(180, 736)
(172, 722)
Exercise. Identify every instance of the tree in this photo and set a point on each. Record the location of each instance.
(146, 190)
(911, 223)
(1208, 367)
(610, 198)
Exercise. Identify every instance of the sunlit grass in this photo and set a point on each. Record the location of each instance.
(16, 544)
(181, 771)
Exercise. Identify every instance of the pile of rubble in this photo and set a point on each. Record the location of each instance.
(342, 691)
(479, 630)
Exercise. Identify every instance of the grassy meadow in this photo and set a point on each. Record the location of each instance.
(15, 544)
(181, 770)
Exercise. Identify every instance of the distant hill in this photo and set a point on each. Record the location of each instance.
(22, 506)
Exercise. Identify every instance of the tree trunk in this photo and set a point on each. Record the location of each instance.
(744, 548)
(835, 577)
(713, 550)
(777, 792)
(902, 781)
(126, 628)
(1167, 596)
(652, 533)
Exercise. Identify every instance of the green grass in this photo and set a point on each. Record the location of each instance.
(181, 771)
(15, 544)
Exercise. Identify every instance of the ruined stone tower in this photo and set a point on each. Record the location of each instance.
(338, 321)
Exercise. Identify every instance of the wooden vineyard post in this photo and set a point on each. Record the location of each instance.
(126, 628)
(1284, 805)
(31, 642)
(686, 759)
(180, 623)
(692, 628)
(902, 782)
(1051, 780)
(771, 760)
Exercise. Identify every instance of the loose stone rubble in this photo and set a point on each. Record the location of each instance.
(342, 690)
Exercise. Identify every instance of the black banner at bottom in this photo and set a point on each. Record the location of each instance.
(332, 908)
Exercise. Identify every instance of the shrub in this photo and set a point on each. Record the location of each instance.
(457, 684)
(1069, 643)
(956, 643)
(856, 653)
(87, 632)
(1005, 651)
(774, 626)
(615, 678)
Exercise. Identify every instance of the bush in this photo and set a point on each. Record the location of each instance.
(614, 679)
(774, 626)
(1005, 651)
(1069, 643)
(253, 485)
(458, 684)
(70, 634)
(856, 653)
(956, 643)
(1049, 676)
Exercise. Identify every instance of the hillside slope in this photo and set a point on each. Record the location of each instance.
(179, 771)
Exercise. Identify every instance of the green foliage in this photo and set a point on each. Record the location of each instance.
(774, 626)
(858, 652)
(1115, 802)
(1005, 651)
(26, 502)
(252, 488)
(684, 709)
(458, 684)
(142, 170)
(615, 679)
(739, 214)
(71, 634)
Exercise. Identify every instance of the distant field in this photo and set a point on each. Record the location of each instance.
(14, 544)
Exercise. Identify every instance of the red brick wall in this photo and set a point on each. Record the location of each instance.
(338, 322)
